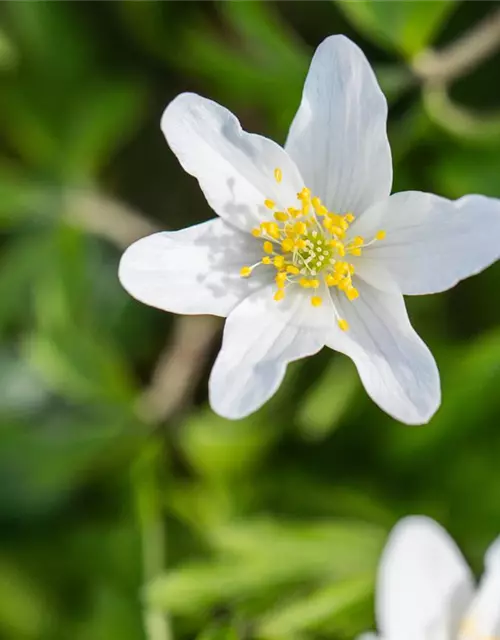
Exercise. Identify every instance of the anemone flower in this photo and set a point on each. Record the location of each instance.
(426, 591)
(309, 248)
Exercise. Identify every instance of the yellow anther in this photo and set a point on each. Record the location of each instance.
(328, 223)
(316, 203)
(306, 207)
(299, 228)
(270, 204)
(278, 174)
(355, 252)
(343, 223)
(350, 268)
(245, 272)
(340, 267)
(268, 246)
(300, 244)
(279, 262)
(293, 211)
(343, 324)
(281, 216)
(279, 295)
(322, 211)
(273, 230)
(280, 280)
(338, 231)
(316, 301)
(352, 293)
(349, 217)
(332, 280)
(380, 235)
(256, 233)
(304, 282)
(314, 283)
(305, 194)
(291, 268)
(287, 245)
(358, 241)
(266, 260)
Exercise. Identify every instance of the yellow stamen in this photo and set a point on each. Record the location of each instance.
(266, 260)
(343, 324)
(280, 280)
(352, 293)
(245, 272)
(299, 228)
(278, 175)
(256, 233)
(349, 217)
(316, 301)
(287, 245)
(279, 295)
(270, 204)
(314, 283)
(380, 235)
(316, 203)
(304, 282)
(279, 262)
(291, 268)
(281, 216)
(268, 246)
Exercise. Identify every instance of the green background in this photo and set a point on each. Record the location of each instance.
(126, 506)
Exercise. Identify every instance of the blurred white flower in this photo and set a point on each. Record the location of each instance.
(426, 591)
(309, 248)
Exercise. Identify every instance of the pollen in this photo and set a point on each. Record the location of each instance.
(309, 246)
(343, 324)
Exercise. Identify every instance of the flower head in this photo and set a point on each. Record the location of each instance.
(309, 249)
(426, 591)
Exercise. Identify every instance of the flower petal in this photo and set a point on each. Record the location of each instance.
(235, 169)
(483, 617)
(424, 584)
(261, 337)
(431, 243)
(395, 366)
(192, 271)
(338, 137)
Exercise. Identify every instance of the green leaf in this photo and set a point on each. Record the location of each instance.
(314, 611)
(328, 400)
(408, 27)
(105, 118)
(258, 556)
(219, 631)
(220, 448)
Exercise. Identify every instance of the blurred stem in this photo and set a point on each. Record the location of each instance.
(463, 55)
(147, 490)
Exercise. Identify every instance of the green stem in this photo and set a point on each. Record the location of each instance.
(147, 491)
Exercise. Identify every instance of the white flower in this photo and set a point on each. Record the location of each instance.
(426, 591)
(309, 248)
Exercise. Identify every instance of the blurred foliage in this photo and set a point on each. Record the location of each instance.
(270, 527)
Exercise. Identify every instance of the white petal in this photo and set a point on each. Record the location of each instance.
(235, 169)
(424, 584)
(431, 243)
(338, 137)
(483, 618)
(395, 366)
(192, 271)
(261, 337)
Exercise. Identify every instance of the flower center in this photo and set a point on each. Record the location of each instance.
(306, 245)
